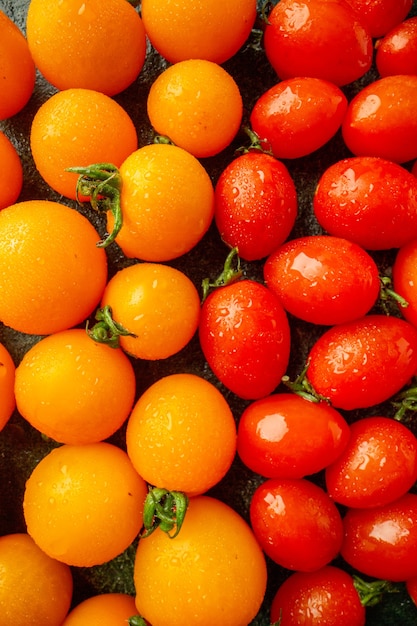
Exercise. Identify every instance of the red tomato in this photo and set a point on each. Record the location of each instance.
(381, 542)
(297, 116)
(396, 53)
(326, 597)
(245, 337)
(323, 280)
(379, 16)
(378, 465)
(255, 204)
(296, 523)
(320, 39)
(368, 200)
(381, 120)
(411, 586)
(286, 436)
(364, 362)
(404, 279)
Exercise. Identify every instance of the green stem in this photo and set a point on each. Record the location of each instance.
(136, 620)
(387, 295)
(256, 144)
(102, 184)
(406, 401)
(372, 593)
(229, 273)
(302, 387)
(165, 510)
(107, 330)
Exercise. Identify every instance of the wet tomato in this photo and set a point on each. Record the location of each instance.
(380, 16)
(396, 53)
(323, 279)
(404, 277)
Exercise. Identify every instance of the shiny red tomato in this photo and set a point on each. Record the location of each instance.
(299, 115)
(378, 465)
(381, 121)
(286, 436)
(245, 337)
(379, 16)
(296, 523)
(325, 597)
(368, 200)
(320, 39)
(364, 362)
(396, 53)
(323, 279)
(255, 204)
(404, 279)
(381, 542)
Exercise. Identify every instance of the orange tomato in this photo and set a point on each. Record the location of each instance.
(212, 572)
(107, 609)
(17, 69)
(79, 127)
(158, 304)
(181, 434)
(207, 29)
(7, 380)
(34, 588)
(12, 172)
(95, 45)
(83, 505)
(75, 390)
(52, 274)
(198, 105)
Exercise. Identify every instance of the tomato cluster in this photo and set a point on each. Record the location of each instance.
(208, 312)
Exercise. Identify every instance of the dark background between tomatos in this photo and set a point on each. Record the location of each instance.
(21, 447)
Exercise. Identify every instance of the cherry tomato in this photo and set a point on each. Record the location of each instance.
(255, 204)
(378, 465)
(320, 39)
(381, 542)
(245, 338)
(404, 279)
(368, 200)
(381, 121)
(322, 279)
(396, 53)
(286, 436)
(364, 362)
(327, 596)
(296, 523)
(379, 16)
(299, 115)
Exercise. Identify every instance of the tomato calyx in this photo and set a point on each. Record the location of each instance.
(302, 387)
(256, 143)
(387, 295)
(136, 620)
(372, 592)
(165, 510)
(107, 330)
(406, 401)
(228, 276)
(102, 184)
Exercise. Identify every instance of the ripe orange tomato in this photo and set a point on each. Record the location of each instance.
(95, 45)
(17, 69)
(12, 172)
(212, 572)
(106, 609)
(208, 29)
(7, 380)
(197, 105)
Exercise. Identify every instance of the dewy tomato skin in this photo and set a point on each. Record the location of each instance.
(396, 53)
(380, 120)
(380, 16)
(404, 279)
(324, 40)
(364, 362)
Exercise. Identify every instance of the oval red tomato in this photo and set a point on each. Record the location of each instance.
(364, 362)
(286, 436)
(255, 204)
(245, 337)
(298, 116)
(368, 200)
(396, 53)
(320, 39)
(380, 120)
(322, 279)
(381, 15)
(404, 279)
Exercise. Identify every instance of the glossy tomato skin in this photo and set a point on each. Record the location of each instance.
(287, 436)
(298, 116)
(320, 39)
(363, 363)
(378, 465)
(323, 279)
(255, 204)
(296, 523)
(404, 277)
(380, 120)
(324, 597)
(245, 337)
(381, 542)
(396, 53)
(379, 16)
(369, 200)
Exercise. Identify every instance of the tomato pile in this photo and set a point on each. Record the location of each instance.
(208, 313)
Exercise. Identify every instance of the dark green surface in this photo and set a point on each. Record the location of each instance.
(21, 447)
